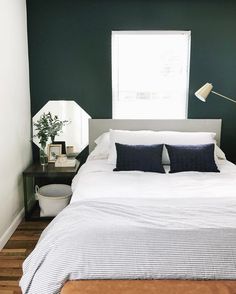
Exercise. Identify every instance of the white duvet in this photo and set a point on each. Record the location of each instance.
(136, 225)
(187, 199)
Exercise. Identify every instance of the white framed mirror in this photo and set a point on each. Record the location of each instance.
(75, 133)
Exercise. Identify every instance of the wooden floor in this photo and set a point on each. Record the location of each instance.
(15, 251)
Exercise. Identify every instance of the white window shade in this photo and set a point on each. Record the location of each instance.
(150, 74)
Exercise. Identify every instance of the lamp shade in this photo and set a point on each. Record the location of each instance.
(203, 92)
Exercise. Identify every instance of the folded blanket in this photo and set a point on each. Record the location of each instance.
(129, 240)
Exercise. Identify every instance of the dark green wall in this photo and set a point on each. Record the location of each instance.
(70, 51)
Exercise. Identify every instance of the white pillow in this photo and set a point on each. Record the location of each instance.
(101, 151)
(220, 154)
(162, 137)
(131, 138)
(103, 140)
(185, 138)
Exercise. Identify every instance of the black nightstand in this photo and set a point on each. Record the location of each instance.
(37, 174)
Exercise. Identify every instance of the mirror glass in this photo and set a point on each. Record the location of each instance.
(75, 133)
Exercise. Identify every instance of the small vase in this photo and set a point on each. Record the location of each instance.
(43, 157)
(52, 139)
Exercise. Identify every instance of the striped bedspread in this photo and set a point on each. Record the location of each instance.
(114, 239)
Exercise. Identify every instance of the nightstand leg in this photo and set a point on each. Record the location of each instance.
(29, 198)
(25, 197)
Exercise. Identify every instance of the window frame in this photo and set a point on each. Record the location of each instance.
(144, 32)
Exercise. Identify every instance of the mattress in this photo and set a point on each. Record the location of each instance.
(136, 225)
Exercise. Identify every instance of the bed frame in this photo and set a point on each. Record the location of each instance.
(149, 287)
(99, 126)
(96, 128)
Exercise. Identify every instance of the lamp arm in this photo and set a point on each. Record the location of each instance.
(225, 97)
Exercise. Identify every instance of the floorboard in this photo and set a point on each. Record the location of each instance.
(21, 243)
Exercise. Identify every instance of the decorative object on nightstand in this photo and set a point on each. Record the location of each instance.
(68, 159)
(54, 150)
(205, 90)
(43, 157)
(34, 174)
(47, 126)
(72, 155)
(64, 161)
(63, 146)
(70, 149)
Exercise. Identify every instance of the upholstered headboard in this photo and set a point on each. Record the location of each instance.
(99, 126)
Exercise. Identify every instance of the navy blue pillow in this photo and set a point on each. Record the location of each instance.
(192, 158)
(145, 158)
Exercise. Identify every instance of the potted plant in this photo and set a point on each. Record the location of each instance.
(48, 126)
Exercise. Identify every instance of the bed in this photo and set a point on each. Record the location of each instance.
(131, 231)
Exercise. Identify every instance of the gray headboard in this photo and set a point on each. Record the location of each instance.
(99, 126)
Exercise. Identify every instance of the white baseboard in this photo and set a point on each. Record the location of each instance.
(11, 229)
